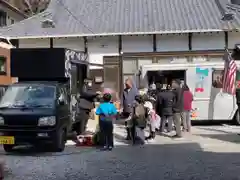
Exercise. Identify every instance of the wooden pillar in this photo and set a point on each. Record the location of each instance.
(226, 39)
(120, 63)
(154, 43)
(85, 44)
(190, 41)
(51, 42)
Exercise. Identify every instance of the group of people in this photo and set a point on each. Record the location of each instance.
(172, 106)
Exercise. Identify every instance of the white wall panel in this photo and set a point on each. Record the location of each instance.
(208, 41)
(137, 43)
(34, 43)
(102, 46)
(129, 66)
(74, 43)
(142, 62)
(178, 42)
(233, 38)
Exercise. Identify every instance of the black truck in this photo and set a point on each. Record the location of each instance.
(40, 108)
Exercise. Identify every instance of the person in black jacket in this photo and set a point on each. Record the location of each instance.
(177, 106)
(84, 106)
(164, 108)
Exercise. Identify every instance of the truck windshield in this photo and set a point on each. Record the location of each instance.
(28, 96)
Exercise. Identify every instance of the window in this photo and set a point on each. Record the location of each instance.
(63, 93)
(2, 65)
(12, 21)
(3, 18)
(217, 79)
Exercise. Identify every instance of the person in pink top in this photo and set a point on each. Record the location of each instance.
(187, 100)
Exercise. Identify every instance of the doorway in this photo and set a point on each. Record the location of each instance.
(112, 74)
(81, 74)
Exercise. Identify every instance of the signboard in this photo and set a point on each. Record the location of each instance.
(238, 80)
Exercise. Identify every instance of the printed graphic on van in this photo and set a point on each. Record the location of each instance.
(201, 73)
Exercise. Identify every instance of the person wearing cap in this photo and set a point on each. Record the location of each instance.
(177, 106)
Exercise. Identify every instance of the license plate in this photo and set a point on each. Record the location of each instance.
(7, 140)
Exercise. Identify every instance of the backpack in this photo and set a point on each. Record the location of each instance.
(139, 116)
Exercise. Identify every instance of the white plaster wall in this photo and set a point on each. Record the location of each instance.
(208, 41)
(144, 61)
(98, 47)
(74, 43)
(233, 38)
(178, 42)
(34, 43)
(137, 43)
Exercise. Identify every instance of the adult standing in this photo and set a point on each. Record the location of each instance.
(187, 98)
(177, 106)
(127, 102)
(84, 107)
(164, 108)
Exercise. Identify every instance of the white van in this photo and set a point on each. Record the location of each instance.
(203, 79)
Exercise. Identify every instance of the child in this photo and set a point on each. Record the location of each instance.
(107, 113)
(153, 120)
(139, 121)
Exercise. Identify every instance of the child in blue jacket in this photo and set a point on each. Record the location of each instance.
(107, 113)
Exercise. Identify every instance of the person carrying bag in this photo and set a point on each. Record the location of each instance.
(139, 121)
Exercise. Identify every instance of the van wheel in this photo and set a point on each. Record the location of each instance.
(8, 148)
(59, 141)
(237, 118)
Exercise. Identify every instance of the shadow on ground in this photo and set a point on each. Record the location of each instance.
(210, 122)
(221, 135)
(152, 161)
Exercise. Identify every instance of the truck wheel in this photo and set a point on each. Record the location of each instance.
(59, 141)
(8, 148)
(237, 118)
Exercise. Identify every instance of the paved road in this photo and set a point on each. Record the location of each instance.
(212, 152)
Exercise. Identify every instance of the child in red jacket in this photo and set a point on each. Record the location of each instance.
(187, 99)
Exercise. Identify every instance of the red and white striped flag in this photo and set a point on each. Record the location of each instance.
(229, 76)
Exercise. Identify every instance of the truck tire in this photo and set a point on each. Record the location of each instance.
(8, 148)
(59, 141)
(237, 118)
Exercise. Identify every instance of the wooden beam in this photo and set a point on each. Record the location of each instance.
(176, 53)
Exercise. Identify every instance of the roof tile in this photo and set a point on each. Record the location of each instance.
(102, 17)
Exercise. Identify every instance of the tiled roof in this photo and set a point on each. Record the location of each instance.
(116, 17)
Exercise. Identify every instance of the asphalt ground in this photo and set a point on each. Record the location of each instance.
(212, 151)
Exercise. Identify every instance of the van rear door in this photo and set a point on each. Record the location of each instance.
(223, 105)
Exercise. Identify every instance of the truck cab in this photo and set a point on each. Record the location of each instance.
(34, 113)
(40, 108)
